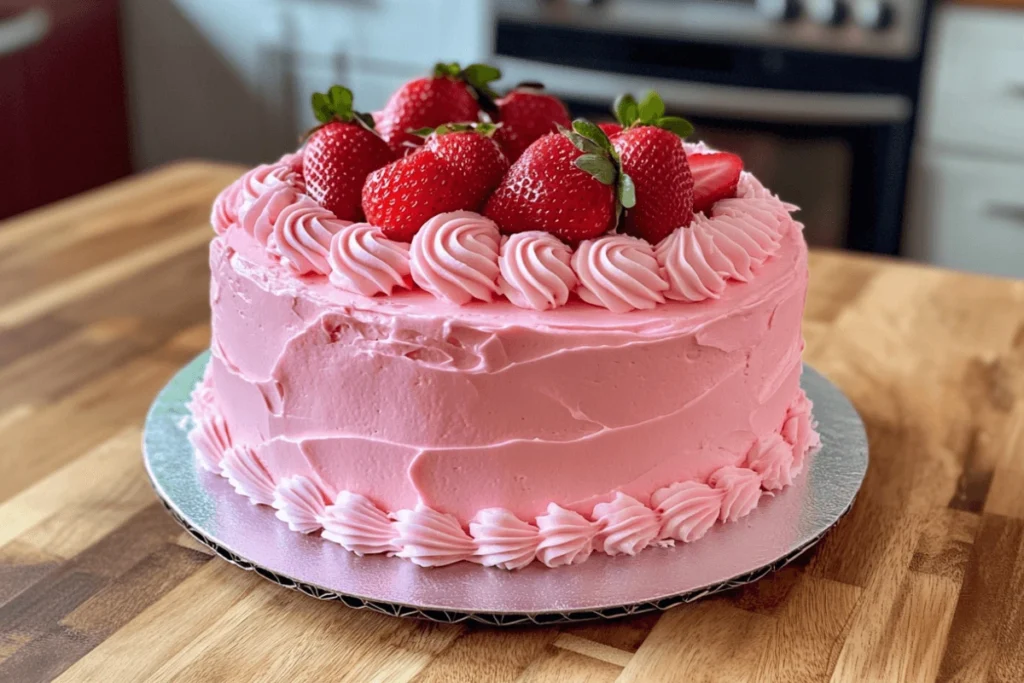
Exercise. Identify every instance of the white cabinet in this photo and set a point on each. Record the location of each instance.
(966, 196)
(231, 79)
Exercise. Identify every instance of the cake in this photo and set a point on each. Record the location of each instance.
(463, 389)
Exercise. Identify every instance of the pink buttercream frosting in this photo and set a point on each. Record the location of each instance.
(799, 432)
(772, 458)
(620, 273)
(225, 207)
(454, 256)
(688, 509)
(258, 180)
(209, 436)
(741, 489)
(626, 525)
(503, 540)
(247, 475)
(303, 232)
(364, 261)
(566, 537)
(293, 160)
(259, 217)
(357, 525)
(430, 538)
(690, 276)
(300, 503)
(535, 270)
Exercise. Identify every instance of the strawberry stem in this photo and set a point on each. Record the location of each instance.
(600, 160)
(336, 105)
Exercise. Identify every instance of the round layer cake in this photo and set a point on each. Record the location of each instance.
(413, 400)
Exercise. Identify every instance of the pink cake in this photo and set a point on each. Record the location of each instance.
(501, 399)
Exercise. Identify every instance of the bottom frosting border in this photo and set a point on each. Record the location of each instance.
(681, 512)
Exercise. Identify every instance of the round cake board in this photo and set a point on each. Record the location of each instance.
(730, 555)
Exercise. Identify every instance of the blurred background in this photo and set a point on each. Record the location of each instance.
(897, 125)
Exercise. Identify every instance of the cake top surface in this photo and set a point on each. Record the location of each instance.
(452, 199)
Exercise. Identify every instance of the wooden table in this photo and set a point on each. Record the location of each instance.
(105, 296)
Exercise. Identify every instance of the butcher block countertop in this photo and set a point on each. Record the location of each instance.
(103, 297)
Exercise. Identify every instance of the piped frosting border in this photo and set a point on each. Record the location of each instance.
(680, 512)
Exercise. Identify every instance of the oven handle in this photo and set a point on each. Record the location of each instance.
(724, 101)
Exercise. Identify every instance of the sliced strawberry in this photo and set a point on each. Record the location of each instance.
(714, 177)
(526, 114)
(451, 95)
(340, 154)
(564, 183)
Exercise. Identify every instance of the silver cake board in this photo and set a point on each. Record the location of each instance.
(730, 555)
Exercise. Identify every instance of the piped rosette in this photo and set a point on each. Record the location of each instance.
(454, 256)
(620, 273)
(364, 261)
(302, 233)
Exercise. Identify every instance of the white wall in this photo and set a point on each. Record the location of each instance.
(231, 79)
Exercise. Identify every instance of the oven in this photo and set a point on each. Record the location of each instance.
(817, 96)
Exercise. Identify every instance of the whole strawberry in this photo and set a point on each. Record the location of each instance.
(651, 153)
(457, 168)
(341, 153)
(450, 95)
(565, 183)
(526, 114)
(474, 157)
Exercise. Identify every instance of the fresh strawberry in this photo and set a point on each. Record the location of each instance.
(610, 129)
(341, 153)
(565, 183)
(450, 95)
(526, 114)
(474, 157)
(651, 153)
(714, 177)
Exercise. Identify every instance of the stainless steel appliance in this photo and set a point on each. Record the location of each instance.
(818, 96)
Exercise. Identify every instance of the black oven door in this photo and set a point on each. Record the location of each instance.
(841, 157)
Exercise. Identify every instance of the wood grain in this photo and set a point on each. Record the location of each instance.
(104, 296)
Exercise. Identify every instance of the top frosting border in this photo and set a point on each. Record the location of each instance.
(460, 257)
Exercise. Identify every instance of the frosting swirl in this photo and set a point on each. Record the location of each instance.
(258, 180)
(690, 276)
(364, 261)
(503, 540)
(455, 257)
(357, 525)
(211, 439)
(627, 526)
(535, 271)
(566, 537)
(258, 218)
(741, 489)
(300, 503)
(430, 538)
(688, 510)
(798, 431)
(619, 272)
(767, 215)
(247, 475)
(772, 458)
(293, 160)
(303, 233)
(225, 207)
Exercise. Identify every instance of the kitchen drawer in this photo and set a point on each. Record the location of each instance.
(975, 94)
(967, 214)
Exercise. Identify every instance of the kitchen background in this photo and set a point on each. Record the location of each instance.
(898, 125)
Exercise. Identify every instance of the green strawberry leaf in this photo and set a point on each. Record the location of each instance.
(479, 75)
(626, 191)
(584, 144)
(652, 108)
(598, 166)
(625, 109)
(677, 125)
(592, 133)
(420, 132)
(322, 108)
(341, 100)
